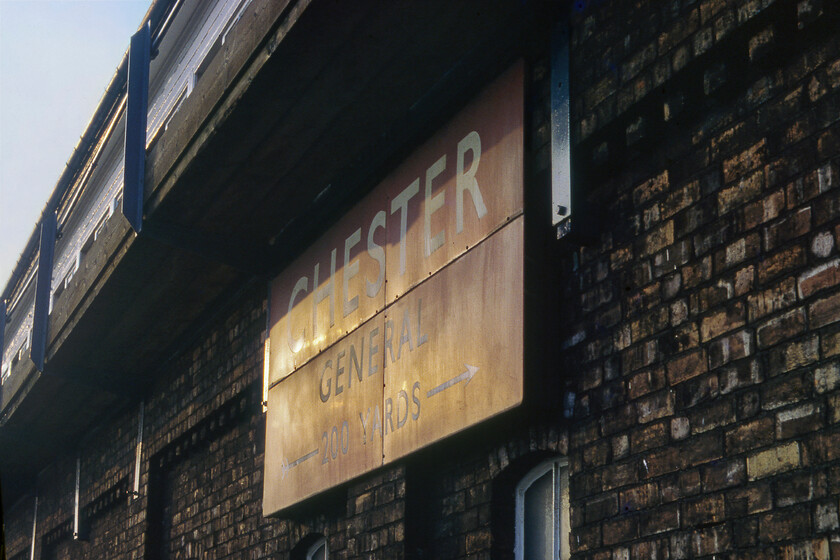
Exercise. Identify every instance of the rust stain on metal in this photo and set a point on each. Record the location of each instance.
(466, 362)
(402, 324)
(320, 428)
(455, 190)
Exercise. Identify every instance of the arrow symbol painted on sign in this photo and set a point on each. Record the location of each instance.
(289, 466)
(465, 376)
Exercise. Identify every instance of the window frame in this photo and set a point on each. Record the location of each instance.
(559, 467)
(313, 548)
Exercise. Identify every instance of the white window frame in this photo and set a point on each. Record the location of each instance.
(559, 467)
(310, 552)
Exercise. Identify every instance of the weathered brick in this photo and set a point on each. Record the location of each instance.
(600, 91)
(745, 532)
(827, 210)
(653, 435)
(657, 239)
(834, 406)
(825, 517)
(712, 415)
(797, 488)
(786, 390)
(661, 461)
(760, 44)
(621, 257)
(791, 227)
(645, 382)
(584, 538)
(732, 347)
(773, 461)
(680, 428)
(819, 278)
(744, 162)
(618, 475)
(638, 61)
(822, 447)
(792, 355)
(743, 374)
(799, 420)
(817, 549)
(774, 298)
(696, 272)
(639, 497)
(790, 523)
(830, 344)
(746, 190)
(650, 189)
(701, 449)
(737, 252)
(640, 355)
(824, 311)
(755, 498)
(596, 454)
(751, 435)
(723, 321)
(619, 530)
(680, 199)
(649, 324)
(601, 507)
(702, 511)
(620, 446)
(827, 377)
(689, 481)
(703, 40)
(781, 262)
(744, 280)
(780, 328)
(764, 210)
(822, 244)
(687, 366)
(810, 186)
(697, 390)
(655, 406)
(680, 545)
(694, 217)
(680, 30)
(724, 474)
(711, 540)
(684, 337)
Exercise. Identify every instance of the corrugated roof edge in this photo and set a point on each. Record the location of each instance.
(157, 14)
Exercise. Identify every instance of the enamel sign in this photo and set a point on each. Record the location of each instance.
(402, 324)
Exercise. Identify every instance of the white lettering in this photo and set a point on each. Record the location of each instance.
(432, 204)
(295, 344)
(400, 202)
(350, 270)
(377, 253)
(323, 292)
(466, 181)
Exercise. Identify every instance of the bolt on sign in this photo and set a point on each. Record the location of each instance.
(403, 323)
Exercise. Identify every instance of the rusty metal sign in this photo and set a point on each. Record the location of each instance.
(465, 364)
(323, 425)
(455, 190)
(445, 357)
(403, 323)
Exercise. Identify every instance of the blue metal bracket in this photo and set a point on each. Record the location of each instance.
(139, 56)
(43, 287)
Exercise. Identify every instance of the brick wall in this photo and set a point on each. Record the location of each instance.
(712, 305)
(699, 336)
